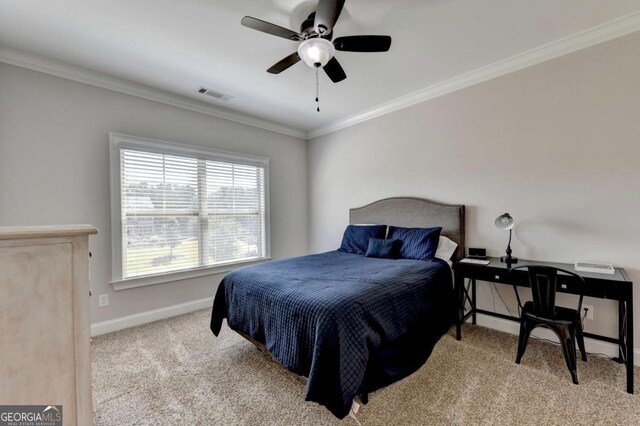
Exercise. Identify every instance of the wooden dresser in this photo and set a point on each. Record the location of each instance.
(45, 356)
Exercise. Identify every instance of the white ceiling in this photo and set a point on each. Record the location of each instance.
(178, 46)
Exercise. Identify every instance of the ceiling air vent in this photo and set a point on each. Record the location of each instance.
(214, 94)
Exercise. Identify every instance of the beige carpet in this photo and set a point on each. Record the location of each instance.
(175, 372)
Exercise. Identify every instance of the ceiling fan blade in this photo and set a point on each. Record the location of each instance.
(334, 70)
(363, 43)
(327, 15)
(269, 28)
(284, 64)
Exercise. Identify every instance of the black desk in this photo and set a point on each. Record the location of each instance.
(616, 287)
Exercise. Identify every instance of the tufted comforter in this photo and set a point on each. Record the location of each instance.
(348, 323)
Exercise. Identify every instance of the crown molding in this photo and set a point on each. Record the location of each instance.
(94, 78)
(599, 34)
(596, 35)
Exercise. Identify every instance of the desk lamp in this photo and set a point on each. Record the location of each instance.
(506, 223)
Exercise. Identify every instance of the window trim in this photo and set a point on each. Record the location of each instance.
(118, 141)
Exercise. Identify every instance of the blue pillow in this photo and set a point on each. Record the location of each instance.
(385, 249)
(356, 238)
(416, 243)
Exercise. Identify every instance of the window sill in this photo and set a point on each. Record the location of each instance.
(183, 275)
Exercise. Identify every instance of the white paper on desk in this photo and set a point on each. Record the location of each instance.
(475, 261)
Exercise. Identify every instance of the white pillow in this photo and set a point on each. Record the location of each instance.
(446, 248)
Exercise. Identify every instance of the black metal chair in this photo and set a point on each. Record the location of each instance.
(543, 312)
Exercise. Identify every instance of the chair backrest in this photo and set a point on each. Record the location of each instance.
(543, 281)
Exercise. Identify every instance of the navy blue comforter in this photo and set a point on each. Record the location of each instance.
(329, 316)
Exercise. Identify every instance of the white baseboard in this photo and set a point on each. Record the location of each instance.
(149, 316)
(591, 345)
(511, 327)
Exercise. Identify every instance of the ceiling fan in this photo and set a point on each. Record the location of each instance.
(316, 48)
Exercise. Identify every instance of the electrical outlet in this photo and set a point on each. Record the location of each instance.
(103, 300)
(589, 312)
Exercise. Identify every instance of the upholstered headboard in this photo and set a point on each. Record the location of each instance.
(411, 212)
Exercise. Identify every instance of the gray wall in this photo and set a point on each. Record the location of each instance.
(54, 169)
(556, 145)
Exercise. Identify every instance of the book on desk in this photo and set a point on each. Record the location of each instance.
(475, 261)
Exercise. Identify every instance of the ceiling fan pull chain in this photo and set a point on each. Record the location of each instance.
(317, 90)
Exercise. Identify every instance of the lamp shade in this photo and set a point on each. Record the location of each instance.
(316, 51)
(505, 222)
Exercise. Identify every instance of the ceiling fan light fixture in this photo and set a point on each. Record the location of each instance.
(316, 51)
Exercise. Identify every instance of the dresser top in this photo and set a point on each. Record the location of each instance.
(13, 232)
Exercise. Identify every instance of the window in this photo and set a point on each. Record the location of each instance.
(180, 208)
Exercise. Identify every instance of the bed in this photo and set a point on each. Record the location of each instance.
(348, 323)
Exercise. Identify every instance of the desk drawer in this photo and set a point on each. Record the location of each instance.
(572, 285)
(492, 275)
(567, 284)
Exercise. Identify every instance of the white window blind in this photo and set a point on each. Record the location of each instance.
(182, 211)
